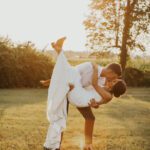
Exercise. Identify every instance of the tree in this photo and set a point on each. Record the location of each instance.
(118, 24)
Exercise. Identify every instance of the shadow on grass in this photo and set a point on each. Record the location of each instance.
(127, 111)
(20, 97)
(132, 114)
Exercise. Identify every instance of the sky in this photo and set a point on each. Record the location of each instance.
(43, 21)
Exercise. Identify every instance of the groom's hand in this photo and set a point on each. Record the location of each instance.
(93, 103)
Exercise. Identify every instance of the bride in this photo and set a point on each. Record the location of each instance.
(79, 96)
(66, 84)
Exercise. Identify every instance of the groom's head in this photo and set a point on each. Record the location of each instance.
(113, 71)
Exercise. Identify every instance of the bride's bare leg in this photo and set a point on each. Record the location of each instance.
(58, 44)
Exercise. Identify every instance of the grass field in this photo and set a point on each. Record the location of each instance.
(122, 124)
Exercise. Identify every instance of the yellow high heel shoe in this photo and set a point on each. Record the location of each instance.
(58, 44)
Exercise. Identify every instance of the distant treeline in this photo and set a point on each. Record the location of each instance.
(22, 65)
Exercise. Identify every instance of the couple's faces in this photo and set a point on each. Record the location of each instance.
(110, 83)
(112, 79)
(111, 75)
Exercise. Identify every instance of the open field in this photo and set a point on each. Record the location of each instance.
(123, 124)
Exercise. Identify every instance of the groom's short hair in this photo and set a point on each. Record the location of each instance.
(116, 68)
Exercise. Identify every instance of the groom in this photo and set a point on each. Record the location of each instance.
(111, 72)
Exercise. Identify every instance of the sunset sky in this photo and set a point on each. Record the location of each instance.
(42, 21)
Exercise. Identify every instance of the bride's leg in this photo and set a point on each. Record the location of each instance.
(60, 79)
(58, 44)
(62, 63)
(58, 48)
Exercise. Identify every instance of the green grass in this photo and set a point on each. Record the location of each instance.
(123, 124)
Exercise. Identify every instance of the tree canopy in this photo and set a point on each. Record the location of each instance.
(120, 24)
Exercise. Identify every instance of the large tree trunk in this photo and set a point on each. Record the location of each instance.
(117, 23)
(126, 29)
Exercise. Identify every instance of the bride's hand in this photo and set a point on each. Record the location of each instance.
(95, 74)
(45, 83)
(42, 82)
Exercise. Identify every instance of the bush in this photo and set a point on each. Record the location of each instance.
(146, 79)
(135, 77)
(22, 65)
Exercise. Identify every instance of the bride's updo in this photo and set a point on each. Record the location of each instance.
(119, 88)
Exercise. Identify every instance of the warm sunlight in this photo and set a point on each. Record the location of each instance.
(74, 74)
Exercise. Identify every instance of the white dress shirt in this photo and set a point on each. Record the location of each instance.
(86, 72)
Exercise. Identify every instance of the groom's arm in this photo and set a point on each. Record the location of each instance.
(106, 96)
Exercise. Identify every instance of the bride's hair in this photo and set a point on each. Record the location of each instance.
(119, 88)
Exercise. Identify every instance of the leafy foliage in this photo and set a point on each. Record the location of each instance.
(135, 77)
(123, 24)
(22, 65)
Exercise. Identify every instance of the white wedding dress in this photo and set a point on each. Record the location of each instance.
(63, 75)
(58, 93)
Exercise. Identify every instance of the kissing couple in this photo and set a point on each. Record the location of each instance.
(85, 86)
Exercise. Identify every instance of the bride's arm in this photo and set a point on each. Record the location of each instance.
(106, 96)
(45, 82)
